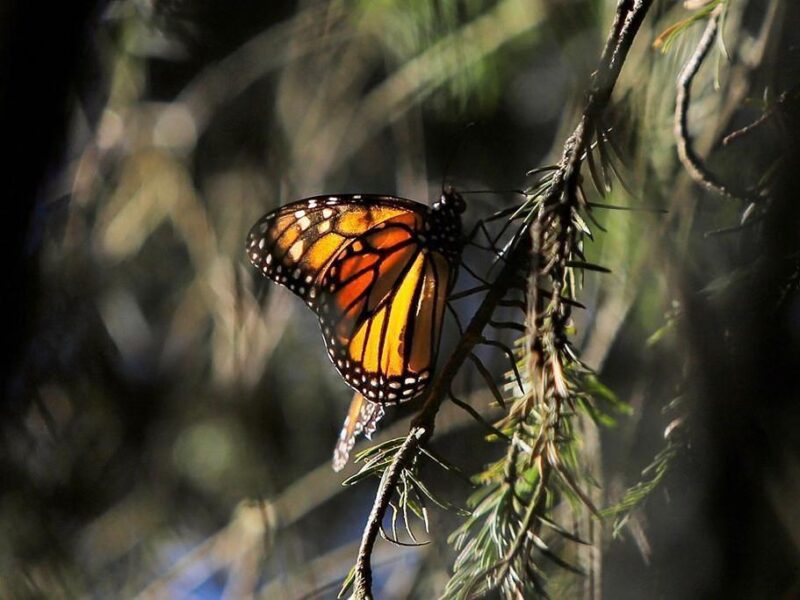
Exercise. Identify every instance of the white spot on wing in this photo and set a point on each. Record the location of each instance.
(296, 251)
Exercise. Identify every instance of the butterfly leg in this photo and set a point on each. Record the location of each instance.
(455, 316)
(512, 213)
(510, 354)
(477, 416)
(487, 377)
(480, 227)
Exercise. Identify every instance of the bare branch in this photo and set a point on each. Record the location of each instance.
(688, 157)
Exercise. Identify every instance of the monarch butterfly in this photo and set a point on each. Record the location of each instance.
(377, 271)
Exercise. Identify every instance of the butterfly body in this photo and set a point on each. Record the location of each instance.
(377, 271)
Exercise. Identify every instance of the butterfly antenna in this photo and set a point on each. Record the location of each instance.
(461, 139)
(508, 191)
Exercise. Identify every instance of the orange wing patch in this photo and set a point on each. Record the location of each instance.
(385, 347)
(295, 244)
(429, 314)
(379, 294)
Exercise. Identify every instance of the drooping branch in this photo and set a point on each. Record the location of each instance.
(559, 200)
(691, 161)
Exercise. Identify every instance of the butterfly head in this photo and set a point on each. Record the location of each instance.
(444, 226)
(451, 201)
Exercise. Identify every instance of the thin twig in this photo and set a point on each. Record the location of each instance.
(688, 157)
(772, 111)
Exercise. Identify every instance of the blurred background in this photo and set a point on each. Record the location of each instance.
(169, 416)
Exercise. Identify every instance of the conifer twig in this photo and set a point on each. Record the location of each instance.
(628, 19)
(769, 113)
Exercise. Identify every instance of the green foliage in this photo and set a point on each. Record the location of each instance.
(635, 497)
(511, 540)
(410, 495)
(443, 31)
(667, 37)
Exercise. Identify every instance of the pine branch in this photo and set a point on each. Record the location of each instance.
(557, 205)
(497, 543)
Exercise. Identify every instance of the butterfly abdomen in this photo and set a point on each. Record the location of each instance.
(443, 229)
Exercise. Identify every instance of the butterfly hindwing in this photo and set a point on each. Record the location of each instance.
(381, 314)
(362, 418)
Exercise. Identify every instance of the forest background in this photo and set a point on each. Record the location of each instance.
(159, 438)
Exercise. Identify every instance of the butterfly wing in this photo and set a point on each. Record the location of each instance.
(362, 418)
(382, 309)
(295, 244)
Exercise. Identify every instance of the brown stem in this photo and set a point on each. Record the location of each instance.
(688, 157)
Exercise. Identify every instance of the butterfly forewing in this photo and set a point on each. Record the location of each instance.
(294, 244)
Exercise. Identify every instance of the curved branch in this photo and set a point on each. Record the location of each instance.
(688, 157)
